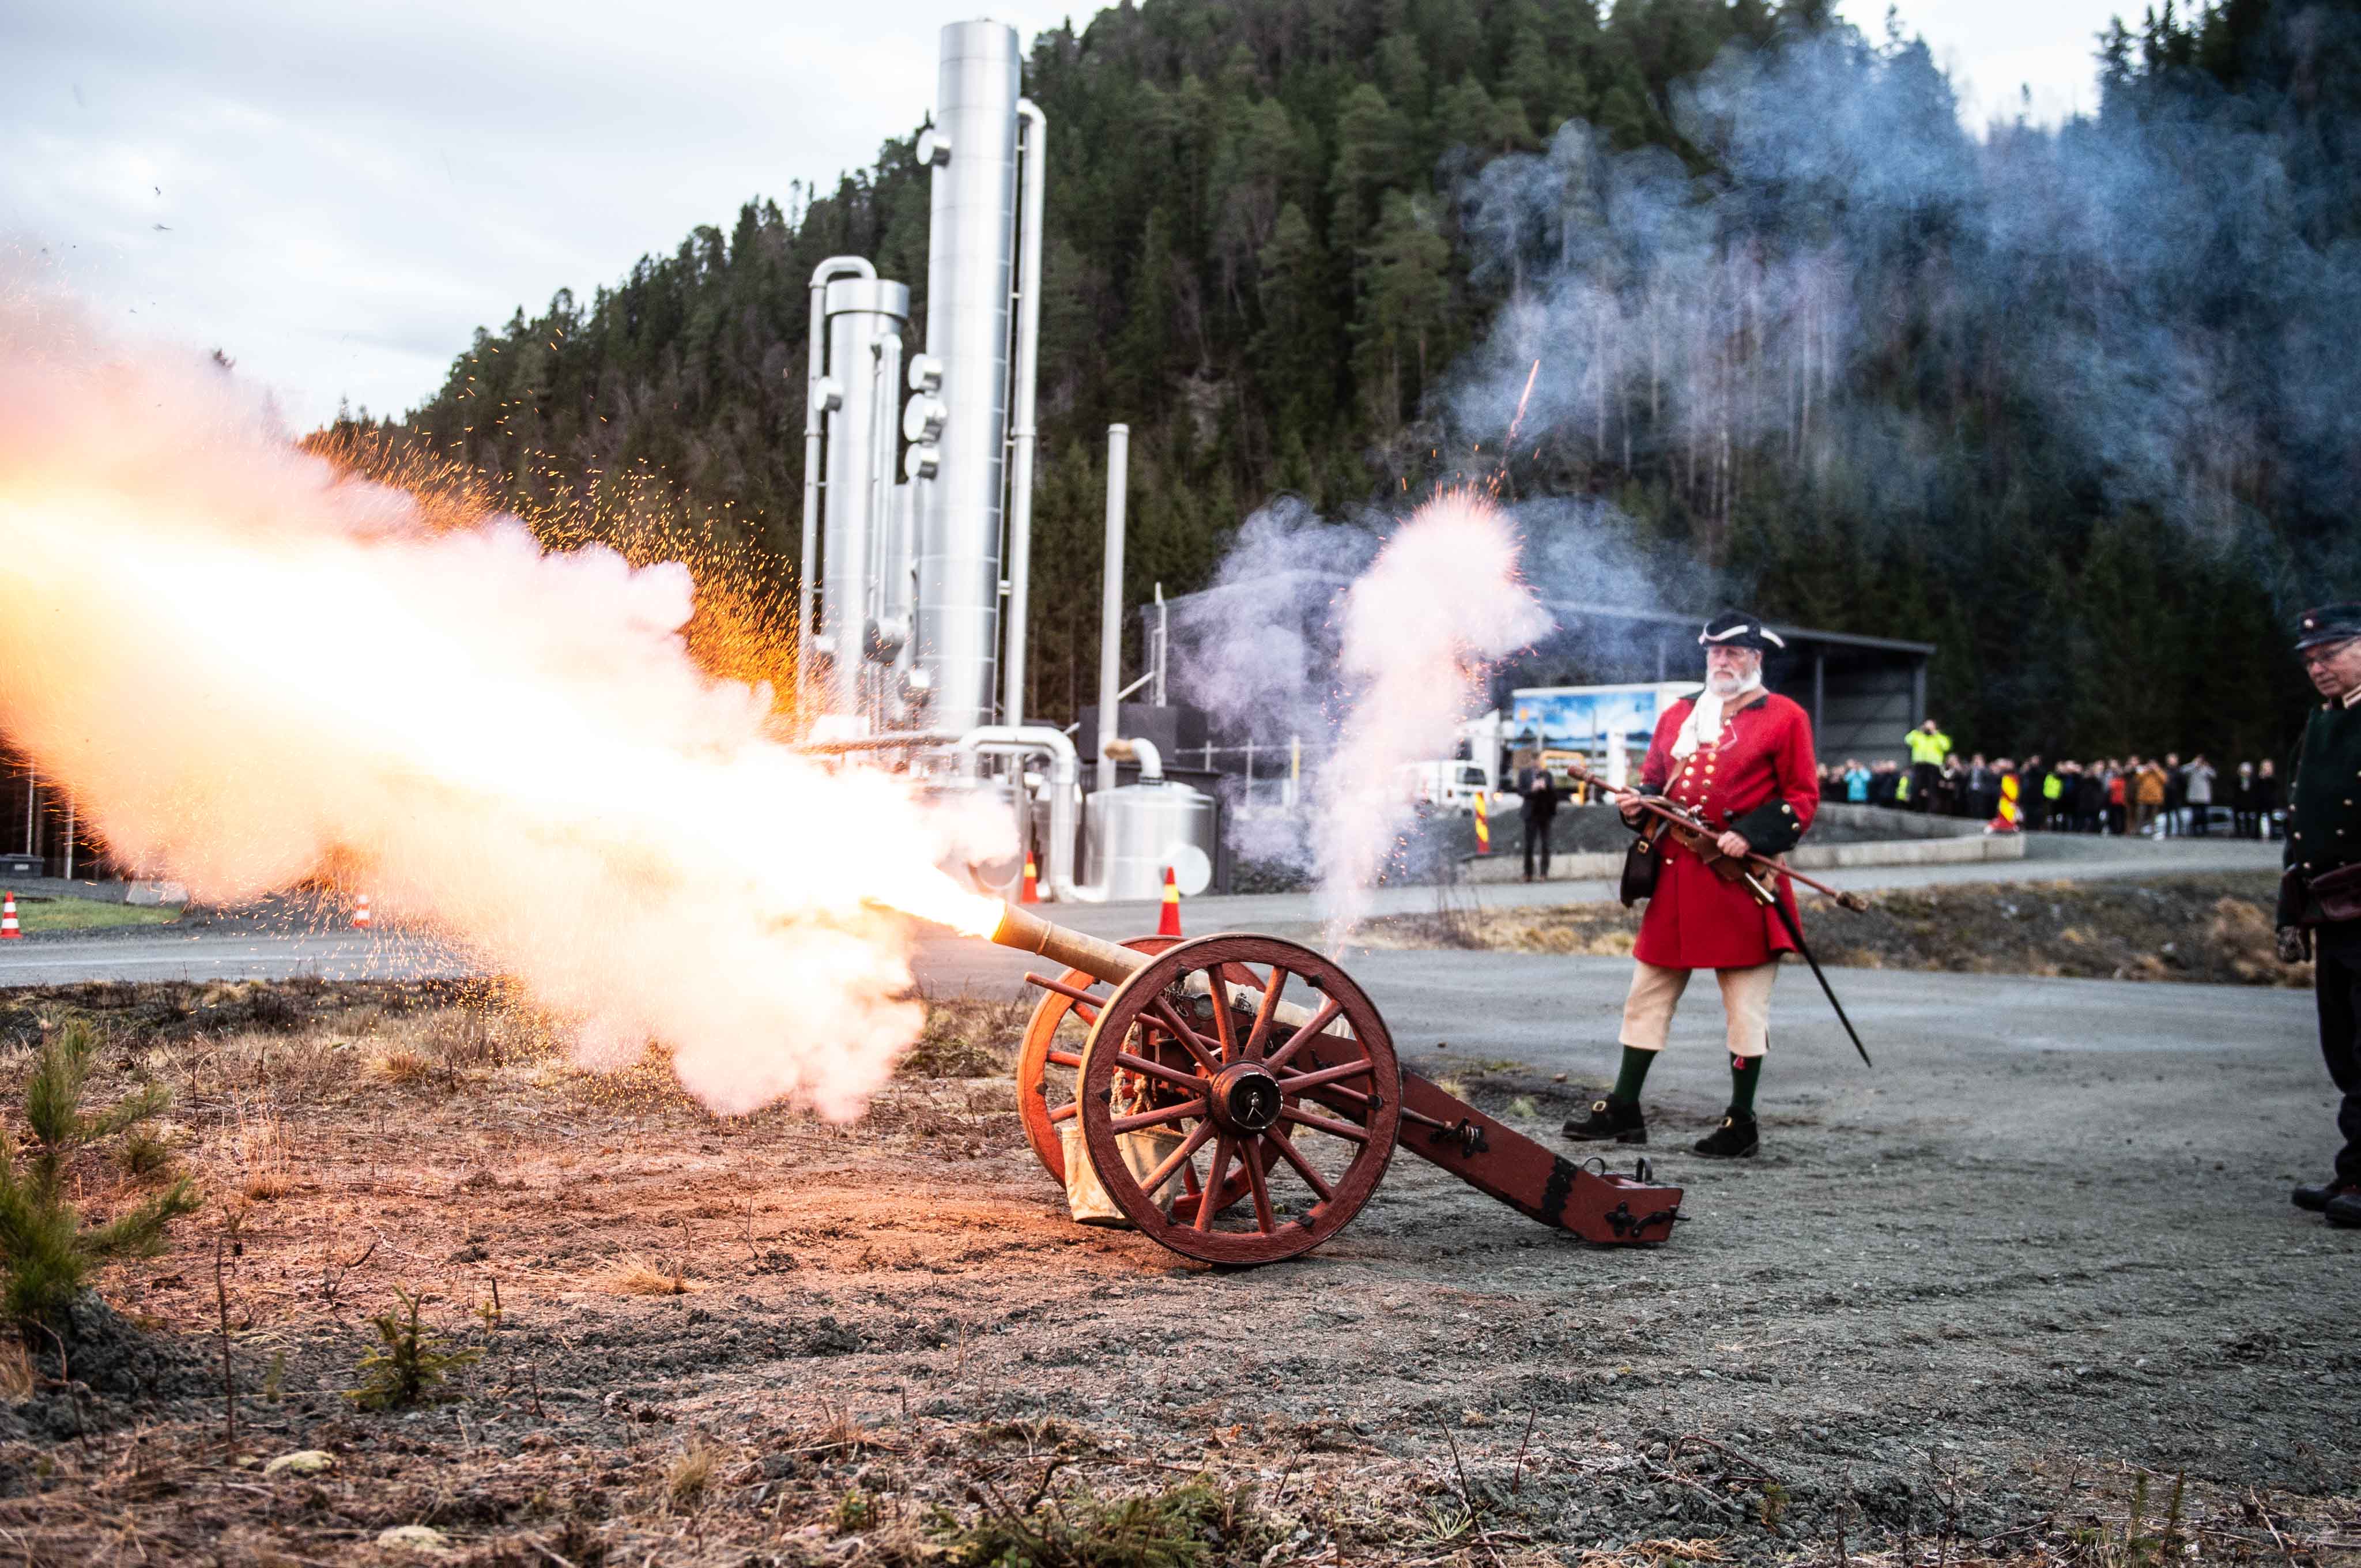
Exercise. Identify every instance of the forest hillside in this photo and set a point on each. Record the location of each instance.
(2076, 403)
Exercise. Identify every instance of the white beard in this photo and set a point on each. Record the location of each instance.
(1703, 721)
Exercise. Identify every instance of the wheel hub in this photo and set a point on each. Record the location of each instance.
(1245, 1099)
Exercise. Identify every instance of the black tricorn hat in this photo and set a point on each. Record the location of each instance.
(2329, 623)
(1732, 630)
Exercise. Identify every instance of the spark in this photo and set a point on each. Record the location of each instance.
(1527, 396)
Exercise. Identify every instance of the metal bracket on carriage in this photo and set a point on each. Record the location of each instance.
(1622, 1220)
(1471, 1136)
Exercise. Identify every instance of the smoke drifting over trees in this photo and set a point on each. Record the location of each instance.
(2074, 403)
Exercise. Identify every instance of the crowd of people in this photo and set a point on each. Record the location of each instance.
(2164, 796)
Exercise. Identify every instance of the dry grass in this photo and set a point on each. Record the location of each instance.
(402, 1067)
(967, 1036)
(689, 1478)
(2212, 928)
(259, 1150)
(16, 1376)
(1654, 1555)
(635, 1276)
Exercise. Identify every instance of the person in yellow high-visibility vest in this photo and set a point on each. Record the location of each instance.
(1929, 747)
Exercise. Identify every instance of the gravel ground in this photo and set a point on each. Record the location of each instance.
(1959, 1313)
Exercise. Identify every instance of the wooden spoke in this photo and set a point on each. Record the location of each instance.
(1205, 1206)
(1158, 1118)
(1065, 1112)
(1344, 1130)
(1226, 1023)
(1254, 1160)
(1060, 987)
(1067, 1059)
(1297, 1084)
(1178, 1157)
(1304, 1036)
(1190, 1039)
(1131, 1062)
(1312, 1178)
(1259, 1036)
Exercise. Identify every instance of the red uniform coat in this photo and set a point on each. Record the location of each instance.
(1758, 776)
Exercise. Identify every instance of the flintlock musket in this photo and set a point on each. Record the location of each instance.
(1699, 837)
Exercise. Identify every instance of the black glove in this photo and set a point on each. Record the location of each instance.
(2295, 945)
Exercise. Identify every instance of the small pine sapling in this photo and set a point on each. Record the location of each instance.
(45, 1252)
(411, 1361)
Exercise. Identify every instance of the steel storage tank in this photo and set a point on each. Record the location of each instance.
(1133, 832)
(865, 319)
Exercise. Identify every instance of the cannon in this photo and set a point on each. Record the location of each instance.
(1200, 1049)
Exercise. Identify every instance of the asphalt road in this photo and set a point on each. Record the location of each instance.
(950, 964)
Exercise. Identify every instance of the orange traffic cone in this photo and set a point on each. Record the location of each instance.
(360, 912)
(8, 931)
(1030, 892)
(1169, 923)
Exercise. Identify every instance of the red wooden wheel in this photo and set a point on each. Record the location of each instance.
(1051, 1055)
(1049, 1060)
(1232, 1084)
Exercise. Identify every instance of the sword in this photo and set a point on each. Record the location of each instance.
(1795, 936)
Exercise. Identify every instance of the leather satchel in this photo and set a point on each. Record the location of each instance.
(2337, 893)
(1640, 866)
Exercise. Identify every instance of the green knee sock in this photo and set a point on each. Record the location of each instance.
(1745, 1072)
(1632, 1074)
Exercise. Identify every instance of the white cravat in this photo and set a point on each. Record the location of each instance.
(1704, 716)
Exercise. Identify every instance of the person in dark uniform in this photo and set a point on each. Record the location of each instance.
(1740, 758)
(2320, 894)
(1541, 810)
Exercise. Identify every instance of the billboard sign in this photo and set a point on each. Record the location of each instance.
(1608, 726)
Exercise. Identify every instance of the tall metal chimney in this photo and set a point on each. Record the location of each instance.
(973, 148)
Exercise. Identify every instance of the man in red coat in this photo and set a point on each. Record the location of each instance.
(1741, 760)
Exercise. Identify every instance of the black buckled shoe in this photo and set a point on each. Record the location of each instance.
(2344, 1210)
(2315, 1199)
(1608, 1118)
(1736, 1138)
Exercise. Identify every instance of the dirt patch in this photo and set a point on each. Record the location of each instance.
(767, 1338)
(2209, 929)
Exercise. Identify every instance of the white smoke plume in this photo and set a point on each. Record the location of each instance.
(1421, 627)
(248, 669)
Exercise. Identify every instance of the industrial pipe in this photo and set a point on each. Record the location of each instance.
(1143, 752)
(1065, 797)
(1111, 599)
(815, 408)
(1036, 127)
(882, 636)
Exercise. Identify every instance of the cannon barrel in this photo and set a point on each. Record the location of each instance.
(1113, 963)
(1028, 933)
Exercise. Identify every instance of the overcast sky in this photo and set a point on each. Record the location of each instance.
(335, 196)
